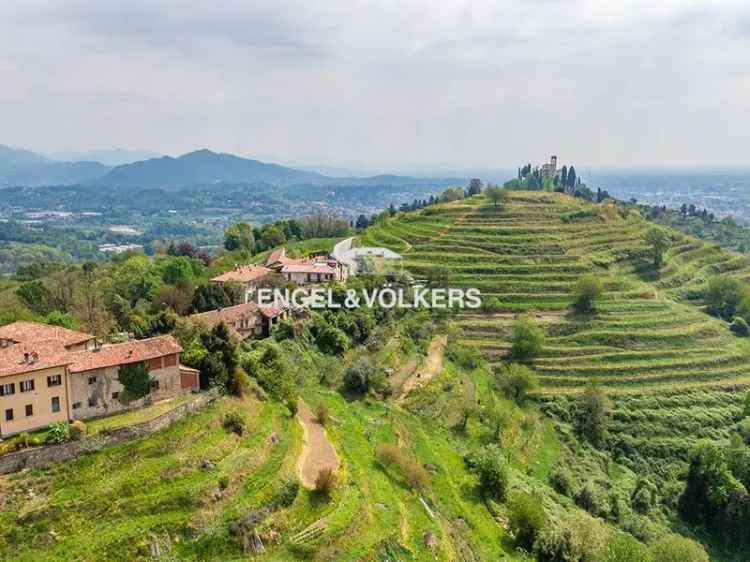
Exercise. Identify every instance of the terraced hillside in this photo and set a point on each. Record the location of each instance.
(674, 372)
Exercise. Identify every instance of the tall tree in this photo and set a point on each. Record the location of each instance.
(572, 178)
(475, 186)
(239, 237)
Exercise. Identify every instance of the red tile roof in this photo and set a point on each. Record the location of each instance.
(124, 353)
(243, 274)
(308, 268)
(19, 358)
(21, 332)
(228, 315)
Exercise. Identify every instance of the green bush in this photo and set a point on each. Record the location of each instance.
(528, 339)
(57, 432)
(674, 548)
(489, 464)
(517, 381)
(593, 499)
(624, 548)
(593, 414)
(234, 422)
(135, 380)
(587, 291)
(362, 377)
(561, 480)
(526, 519)
(325, 482)
(288, 493)
(739, 327)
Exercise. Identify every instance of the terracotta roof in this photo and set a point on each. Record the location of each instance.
(243, 274)
(272, 311)
(22, 332)
(228, 315)
(123, 353)
(186, 369)
(308, 268)
(19, 358)
(275, 256)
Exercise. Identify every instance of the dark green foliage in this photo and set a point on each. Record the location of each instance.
(528, 339)
(362, 376)
(135, 379)
(526, 519)
(593, 499)
(475, 187)
(593, 414)
(36, 296)
(57, 432)
(644, 496)
(328, 338)
(739, 327)
(489, 464)
(216, 358)
(561, 480)
(466, 356)
(266, 363)
(63, 319)
(234, 422)
(588, 290)
(239, 237)
(727, 297)
(288, 493)
(210, 296)
(517, 382)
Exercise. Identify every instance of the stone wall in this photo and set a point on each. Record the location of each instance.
(40, 457)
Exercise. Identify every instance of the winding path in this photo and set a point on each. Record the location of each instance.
(317, 451)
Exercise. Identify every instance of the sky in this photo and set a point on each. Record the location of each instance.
(389, 85)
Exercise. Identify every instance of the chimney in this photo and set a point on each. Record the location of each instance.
(26, 357)
(34, 357)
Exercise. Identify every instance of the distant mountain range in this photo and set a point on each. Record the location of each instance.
(200, 168)
(21, 167)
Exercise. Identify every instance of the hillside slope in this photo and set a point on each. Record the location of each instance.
(674, 372)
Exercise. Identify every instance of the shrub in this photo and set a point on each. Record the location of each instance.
(291, 405)
(361, 377)
(223, 482)
(739, 327)
(57, 432)
(624, 548)
(746, 405)
(239, 384)
(517, 381)
(659, 242)
(322, 414)
(235, 422)
(561, 480)
(527, 518)
(528, 339)
(415, 475)
(466, 356)
(288, 493)
(591, 498)
(674, 548)
(77, 430)
(593, 414)
(388, 454)
(491, 467)
(135, 380)
(579, 538)
(325, 482)
(587, 291)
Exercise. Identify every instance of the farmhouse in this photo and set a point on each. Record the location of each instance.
(250, 277)
(245, 320)
(50, 374)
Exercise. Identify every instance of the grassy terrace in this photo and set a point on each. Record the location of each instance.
(662, 359)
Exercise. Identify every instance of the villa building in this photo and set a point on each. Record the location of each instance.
(50, 374)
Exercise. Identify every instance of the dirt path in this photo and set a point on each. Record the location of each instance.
(433, 365)
(317, 451)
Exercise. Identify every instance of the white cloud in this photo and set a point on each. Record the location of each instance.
(383, 84)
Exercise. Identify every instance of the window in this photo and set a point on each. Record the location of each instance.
(54, 380)
(9, 414)
(115, 395)
(92, 402)
(27, 386)
(7, 389)
(55, 404)
(76, 405)
(92, 379)
(29, 410)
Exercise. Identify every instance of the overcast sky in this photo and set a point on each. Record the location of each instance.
(382, 85)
